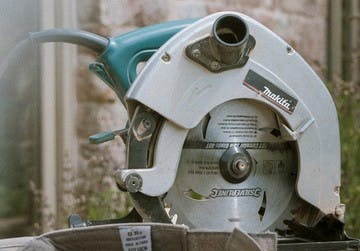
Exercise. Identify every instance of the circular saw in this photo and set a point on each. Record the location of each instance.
(229, 127)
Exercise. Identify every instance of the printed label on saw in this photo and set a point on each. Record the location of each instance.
(270, 91)
(136, 238)
(202, 167)
(245, 192)
(226, 145)
(275, 167)
(239, 126)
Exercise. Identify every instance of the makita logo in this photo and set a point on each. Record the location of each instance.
(277, 98)
(270, 91)
(246, 192)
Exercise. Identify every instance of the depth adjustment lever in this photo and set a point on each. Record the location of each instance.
(102, 137)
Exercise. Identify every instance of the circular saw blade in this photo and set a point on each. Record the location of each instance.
(202, 198)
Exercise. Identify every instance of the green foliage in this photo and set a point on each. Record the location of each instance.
(13, 201)
(100, 206)
(348, 106)
(93, 194)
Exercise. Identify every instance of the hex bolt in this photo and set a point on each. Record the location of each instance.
(241, 166)
(235, 164)
(133, 182)
(214, 65)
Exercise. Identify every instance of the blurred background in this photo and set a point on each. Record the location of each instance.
(50, 103)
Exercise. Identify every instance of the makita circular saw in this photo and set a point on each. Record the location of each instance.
(228, 128)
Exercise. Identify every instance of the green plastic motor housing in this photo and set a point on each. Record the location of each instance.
(116, 66)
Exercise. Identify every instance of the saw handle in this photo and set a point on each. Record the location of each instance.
(117, 64)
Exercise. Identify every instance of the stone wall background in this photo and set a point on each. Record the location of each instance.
(301, 23)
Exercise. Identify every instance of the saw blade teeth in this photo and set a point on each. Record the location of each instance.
(174, 219)
(168, 208)
(171, 212)
(172, 215)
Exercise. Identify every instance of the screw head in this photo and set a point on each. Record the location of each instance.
(133, 182)
(144, 125)
(166, 57)
(196, 53)
(214, 65)
(289, 50)
(340, 210)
